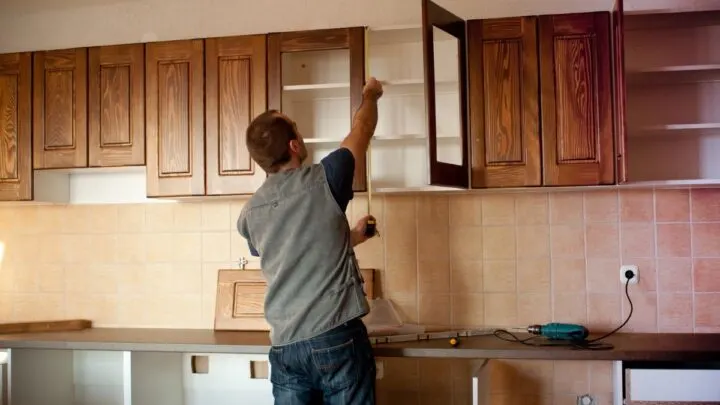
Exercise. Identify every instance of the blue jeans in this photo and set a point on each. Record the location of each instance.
(335, 368)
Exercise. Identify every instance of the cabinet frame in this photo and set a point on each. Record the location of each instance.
(441, 173)
(619, 92)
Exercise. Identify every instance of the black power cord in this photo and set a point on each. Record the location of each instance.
(585, 344)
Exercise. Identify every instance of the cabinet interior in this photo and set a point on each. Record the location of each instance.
(673, 92)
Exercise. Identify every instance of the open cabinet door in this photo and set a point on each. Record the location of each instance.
(618, 43)
(444, 51)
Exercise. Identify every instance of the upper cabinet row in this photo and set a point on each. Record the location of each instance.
(513, 102)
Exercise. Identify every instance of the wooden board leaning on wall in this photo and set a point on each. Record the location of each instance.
(241, 295)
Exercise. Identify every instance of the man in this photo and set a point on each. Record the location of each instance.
(296, 224)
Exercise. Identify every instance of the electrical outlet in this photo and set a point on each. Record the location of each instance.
(585, 400)
(379, 369)
(629, 267)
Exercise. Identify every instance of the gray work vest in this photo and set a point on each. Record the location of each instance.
(303, 237)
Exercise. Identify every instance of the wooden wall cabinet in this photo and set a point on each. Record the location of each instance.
(672, 91)
(541, 101)
(88, 107)
(16, 178)
(175, 127)
(316, 78)
(201, 96)
(235, 93)
(60, 109)
(116, 106)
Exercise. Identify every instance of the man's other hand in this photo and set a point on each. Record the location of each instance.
(357, 234)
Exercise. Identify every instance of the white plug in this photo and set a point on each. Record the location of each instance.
(625, 271)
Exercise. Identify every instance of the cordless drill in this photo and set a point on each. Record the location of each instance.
(559, 331)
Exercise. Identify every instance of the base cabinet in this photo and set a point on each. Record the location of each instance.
(94, 377)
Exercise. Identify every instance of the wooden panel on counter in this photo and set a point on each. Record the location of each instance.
(45, 326)
(240, 299)
(15, 127)
(504, 105)
(175, 125)
(576, 99)
(235, 85)
(60, 109)
(116, 106)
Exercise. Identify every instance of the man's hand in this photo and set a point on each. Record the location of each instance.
(364, 121)
(373, 89)
(357, 234)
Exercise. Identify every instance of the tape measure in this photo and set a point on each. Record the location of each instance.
(371, 227)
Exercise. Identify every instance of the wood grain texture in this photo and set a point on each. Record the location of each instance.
(175, 127)
(441, 173)
(316, 40)
(60, 109)
(620, 92)
(116, 106)
(576, 99)
(235, 93)
(16, 179)
(352, 39)
(240, 299)
(504, 103)
(47, 326)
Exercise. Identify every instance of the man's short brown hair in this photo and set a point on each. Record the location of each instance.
(268, 139)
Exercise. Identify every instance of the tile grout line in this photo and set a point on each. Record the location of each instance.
(693, 304)
(657, 254)
(549, 199)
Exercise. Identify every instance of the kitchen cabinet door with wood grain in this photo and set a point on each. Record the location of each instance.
(174, 125)
(60, 109)
(116, 106)
(576, 99)
(504, 103)
(15, 127)
(235, 93)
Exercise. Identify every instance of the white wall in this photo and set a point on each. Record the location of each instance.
(27, 25)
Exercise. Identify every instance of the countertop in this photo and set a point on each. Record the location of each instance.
(627, 346)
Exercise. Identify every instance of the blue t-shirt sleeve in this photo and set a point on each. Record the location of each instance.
(340, 171)
(242, 229)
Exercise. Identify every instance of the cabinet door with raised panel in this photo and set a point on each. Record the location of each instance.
(576, 99)
(504, 104)
(116, 106)
(60, 109)
(174, 118)
(316, 78)
(235, 92)
(15, 128)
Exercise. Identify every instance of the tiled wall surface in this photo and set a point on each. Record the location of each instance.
(460, 261)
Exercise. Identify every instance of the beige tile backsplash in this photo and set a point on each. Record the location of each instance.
(454, 261)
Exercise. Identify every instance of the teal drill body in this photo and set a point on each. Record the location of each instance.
(560, 331)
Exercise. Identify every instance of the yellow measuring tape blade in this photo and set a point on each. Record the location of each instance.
(368, 165)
